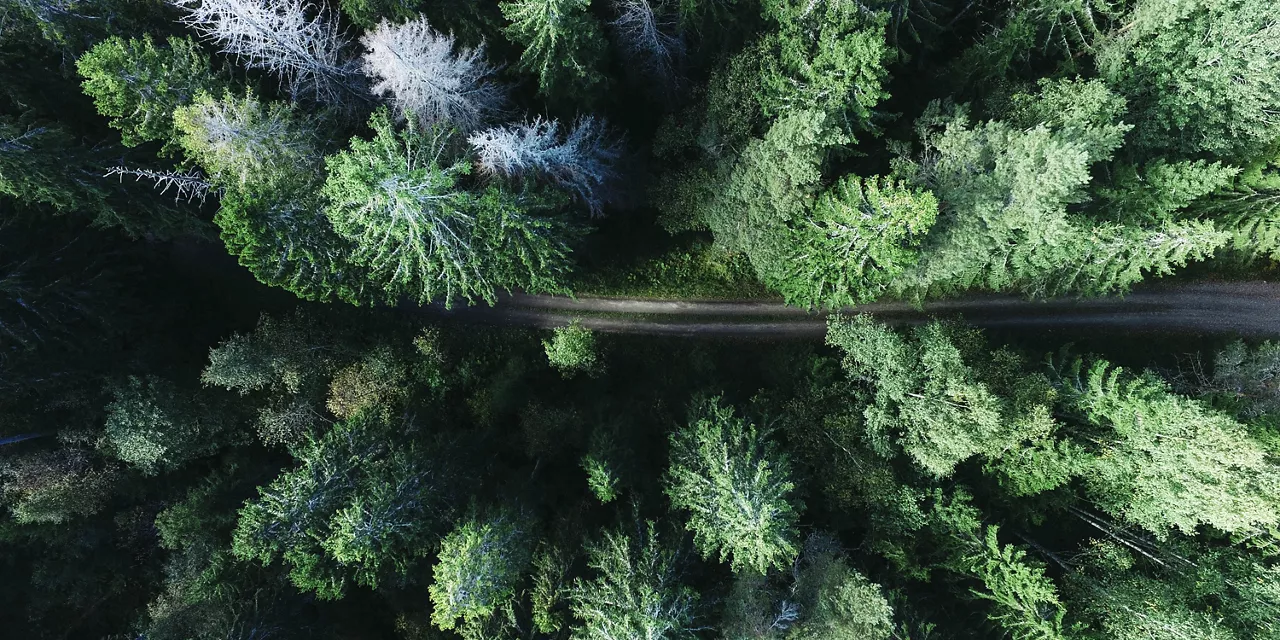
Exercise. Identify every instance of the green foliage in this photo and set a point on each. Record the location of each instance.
(861, 235)
(1251, 215)
(600, 479)
(54, 487)
(139, 85)
(481, 561)
(1164, 461)
(368, 13)
(1199, 75)
(376, 383)
(154, 427)
(825, 56)
(736, 487)
(1162, 188)
(636, 592)
(358, 505)
(1005, 187)
(398, 201)
(562, 43)
(927, 400)
(550, 589)
(572, 350)
(1246, 378)
(251, 147)
(836, 601)
(1024, 601)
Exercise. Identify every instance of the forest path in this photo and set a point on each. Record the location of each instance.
(1244, 308)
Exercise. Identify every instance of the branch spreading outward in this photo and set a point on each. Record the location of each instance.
(417, 67)
(186, 186)
(294, 39)
(584, 163)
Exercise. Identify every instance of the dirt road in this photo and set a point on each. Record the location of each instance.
(1244, 308)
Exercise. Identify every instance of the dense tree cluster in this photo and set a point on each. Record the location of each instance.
(227, 411)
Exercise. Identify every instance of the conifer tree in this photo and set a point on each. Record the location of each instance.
(1157, 57)
(139, 84)
(427, 76)
(636, 591)
(481, 561)
(860, 235)
(582, 163)
(562, 43)
(1164, 461)
(736, 487)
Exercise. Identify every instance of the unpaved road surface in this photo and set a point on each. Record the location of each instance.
(1244, 308)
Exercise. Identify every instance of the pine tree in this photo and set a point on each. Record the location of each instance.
(562, 43)
(481, 562)
(397, 199)
(139, 85)
(636, 592)
(860, 235)
(249, 146)
(736, 487)
(358, 506)
(1164, 461)
(419, 69)
(1183, 105)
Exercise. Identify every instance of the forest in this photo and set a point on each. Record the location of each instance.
(240, 400)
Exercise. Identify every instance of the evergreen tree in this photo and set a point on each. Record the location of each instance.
(736, 487)
(636, 591)
(1159, 58)
(562, 43)
(861, 235)
(358, 506)
(397, 199)
(1164, 461)
(481, 561)
(139, 85)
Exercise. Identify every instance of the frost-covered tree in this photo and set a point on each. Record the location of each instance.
(645, 37)
(582, 162)
(294, 39)
(736, 487)
(425, 74)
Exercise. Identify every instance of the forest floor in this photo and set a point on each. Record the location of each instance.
(1243, 308)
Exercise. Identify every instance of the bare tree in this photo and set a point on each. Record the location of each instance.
(418, 67)
(584, 162)
(643, 39)
(294, 39)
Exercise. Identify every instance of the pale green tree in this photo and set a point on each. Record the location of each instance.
(736, 488)
(153, 426)
(480, 563)
(1164, 461)
(398, 199)
(860, 235)
(636, 590)
(1200, 76)
(572, 349)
